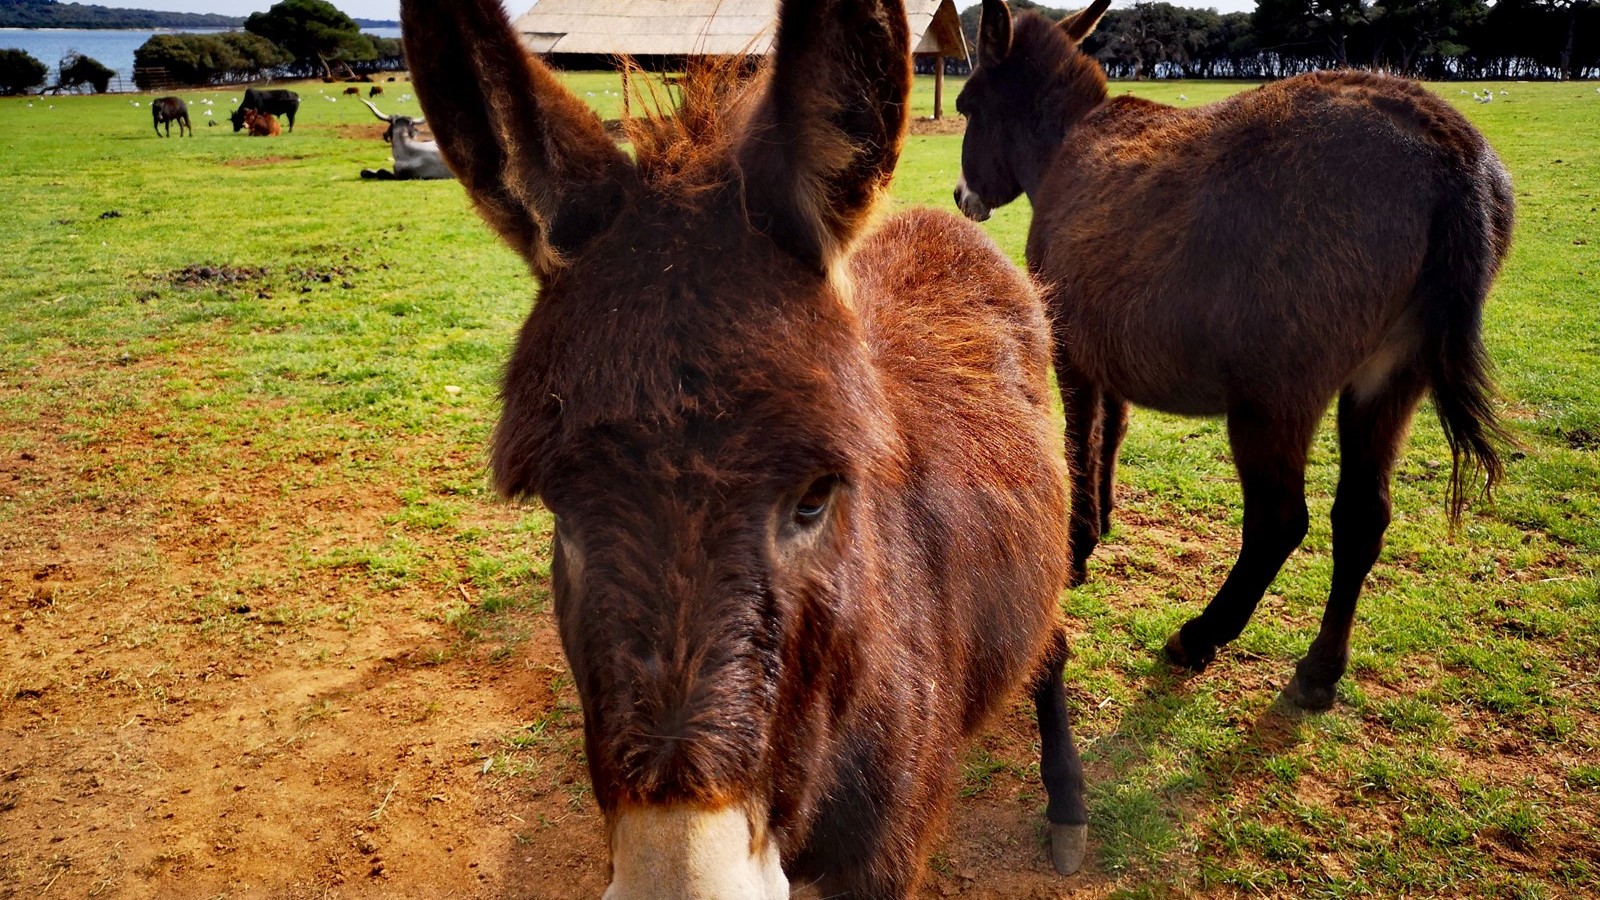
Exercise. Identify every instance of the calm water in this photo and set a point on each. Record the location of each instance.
(112, 47)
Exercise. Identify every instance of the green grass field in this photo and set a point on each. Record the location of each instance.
(234, 376)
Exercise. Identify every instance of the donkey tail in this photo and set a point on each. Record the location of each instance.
(1470, 235)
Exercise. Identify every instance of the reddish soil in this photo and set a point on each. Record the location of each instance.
(157, 743)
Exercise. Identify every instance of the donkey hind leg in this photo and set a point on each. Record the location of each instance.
(1371, 431)
(1113, 428)
(1270, 455)
(1081, 400)
(1059, 765)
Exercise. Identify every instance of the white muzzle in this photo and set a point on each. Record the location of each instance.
(692, 853)
(971, 207)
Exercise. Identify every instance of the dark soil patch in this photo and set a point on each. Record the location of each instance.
(947, 125)
(253, 161)
(207, 275)
(1583, 438)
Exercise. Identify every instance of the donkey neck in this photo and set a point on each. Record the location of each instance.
(1067, 85)
(1059, 112)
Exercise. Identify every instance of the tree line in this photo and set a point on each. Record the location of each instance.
(293, 39)
(50, 14)
(1433, 39)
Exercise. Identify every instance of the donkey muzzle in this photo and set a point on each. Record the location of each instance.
(692, 853)
(969, 203)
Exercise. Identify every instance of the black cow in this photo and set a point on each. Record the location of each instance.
(166, 110)
(277, 103)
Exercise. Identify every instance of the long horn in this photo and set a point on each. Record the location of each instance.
(389, 119)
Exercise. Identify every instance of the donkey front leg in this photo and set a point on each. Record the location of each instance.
(1270, 454)
(1059, 765)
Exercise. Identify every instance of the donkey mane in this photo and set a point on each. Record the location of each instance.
(687, 145)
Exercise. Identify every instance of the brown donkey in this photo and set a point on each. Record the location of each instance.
(1328, 235)
(810, 514)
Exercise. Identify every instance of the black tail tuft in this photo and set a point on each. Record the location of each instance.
(1470, 235)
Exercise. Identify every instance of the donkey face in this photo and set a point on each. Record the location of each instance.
(1015, 119)
(692, 398)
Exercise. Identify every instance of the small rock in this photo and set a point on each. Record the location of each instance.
(452, 389)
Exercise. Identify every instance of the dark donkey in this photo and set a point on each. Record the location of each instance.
(1329, 235)
(166, 110)
(274, 102)
(810, 518)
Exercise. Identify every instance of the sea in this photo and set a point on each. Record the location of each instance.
(113, 47)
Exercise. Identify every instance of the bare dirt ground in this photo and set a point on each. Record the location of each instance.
(315, 736)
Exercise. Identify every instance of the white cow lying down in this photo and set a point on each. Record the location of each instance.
(413, 159)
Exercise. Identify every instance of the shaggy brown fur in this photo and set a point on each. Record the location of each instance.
(1328, 235)
(810, 524)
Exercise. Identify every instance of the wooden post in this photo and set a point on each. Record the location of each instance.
(625, 89)
(938, 85)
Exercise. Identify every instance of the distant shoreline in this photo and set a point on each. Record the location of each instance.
(363, 23)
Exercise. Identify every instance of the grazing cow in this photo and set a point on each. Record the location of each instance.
(352, 91)
(810, 519)
(374, 91)
(1332, 235)
(166, 110)
(261, 124)
(413, 159)
(273, 102)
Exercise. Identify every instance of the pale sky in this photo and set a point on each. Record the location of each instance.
(390, 9)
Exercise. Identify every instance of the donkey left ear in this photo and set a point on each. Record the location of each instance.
(994, 32)
(825, 137)
(1079, 26)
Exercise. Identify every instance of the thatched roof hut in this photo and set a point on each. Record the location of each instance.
(570, 30)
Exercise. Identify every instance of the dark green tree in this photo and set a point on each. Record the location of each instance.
(168, 59)
(313, 31)
(20, 72)
(77, 70)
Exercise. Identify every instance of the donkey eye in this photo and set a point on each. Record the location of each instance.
(814, 502)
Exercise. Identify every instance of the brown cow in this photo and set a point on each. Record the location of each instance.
(810, 521)
(261, 124)
(352, 92)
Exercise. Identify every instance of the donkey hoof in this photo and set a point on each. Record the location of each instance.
(1179, 656)
(1068, 844)
(1312, 698)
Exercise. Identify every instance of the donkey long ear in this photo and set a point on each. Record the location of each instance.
(994, 32)
(532, 156)
(825, 137)
(1079, 26)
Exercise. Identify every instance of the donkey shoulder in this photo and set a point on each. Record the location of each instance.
(952, 321)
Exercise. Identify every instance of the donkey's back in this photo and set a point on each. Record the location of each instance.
(1222, 244)
(961, 343)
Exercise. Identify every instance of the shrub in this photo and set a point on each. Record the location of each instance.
(78, 70)
(20, 72)
(203, 59)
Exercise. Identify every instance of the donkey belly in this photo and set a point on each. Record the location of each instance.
(1179, 373)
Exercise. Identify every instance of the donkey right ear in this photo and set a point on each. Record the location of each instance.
(994, 32)
(533, 157)
(1079, 26)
